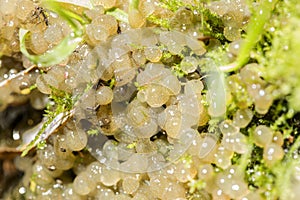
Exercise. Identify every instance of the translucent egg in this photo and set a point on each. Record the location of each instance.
(42, 85)
(174, 191)
(94, 13)
(172, 83)
(231, 182)
(242, 117)
(195, 45)
(234, 47)
(107, 21)
(222, 157)
(173, 126)
(47, 156)
(99, 32)
(218, 193)
(53, 34)
(153, 54)
(235, 142)
(110, 176)
(136, 163)
(190, 109)
(262, 135)
(153, 73)
(124, 92)
(189, 64)
(141, 96)
(130, 184)
(104, 95)
(77, 138)
(216, 96)
(41, 176)
(174, 41)
(263, 101)
(37, 43)
(251, 73)
(185, 172)
(84, 183)
(70, 194)
(156, 95)
(228, 128)
(237, 189)
(145, 190)
(278, 138)
(51, 80)
(205, 172)
(147, 130)
(104, 193)
(65, 158)
(182, 17)
(139, 57)
(149, 37)
(272, 153)
(193, 87)
(124, 75)
(96, 34)
(135, 18)
(158, 184)
(207, 147)
(147, 7)
(138, 115)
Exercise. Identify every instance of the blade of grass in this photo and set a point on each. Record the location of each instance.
(53, 56)
(254, 31)
(118, 14)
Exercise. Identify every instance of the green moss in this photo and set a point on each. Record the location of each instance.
(176, 69)
(196, 185)
(210, 23)
(281, 60)
(172, 5)
(162, 22)
(57, 110)
(131, 145)
(92, 132)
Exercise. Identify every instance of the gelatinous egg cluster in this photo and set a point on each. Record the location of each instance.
(148, 109)
(148, 119)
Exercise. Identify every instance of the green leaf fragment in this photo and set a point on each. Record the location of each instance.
(93, 132)
(118, 14)
(53, 56)
(255, 29)
(132, 145)
(85, 4)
